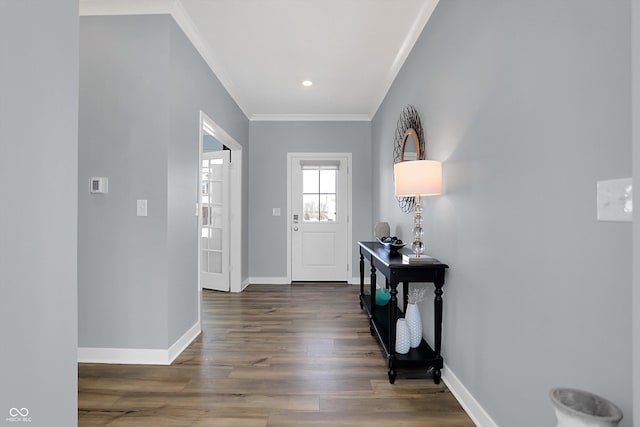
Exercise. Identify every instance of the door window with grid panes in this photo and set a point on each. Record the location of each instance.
(319, 188)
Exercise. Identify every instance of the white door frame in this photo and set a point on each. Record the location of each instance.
(235, 202)
(321, 156)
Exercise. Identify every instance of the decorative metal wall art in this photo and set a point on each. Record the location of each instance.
(408, 144)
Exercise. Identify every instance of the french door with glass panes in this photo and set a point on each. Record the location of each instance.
(319, 215)
(214, 220)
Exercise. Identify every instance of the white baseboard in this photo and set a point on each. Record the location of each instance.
(471, 406)
(183, 342)
(269, 281)
(244, 284)
(124, 356)
(285, 281)
(139, 356)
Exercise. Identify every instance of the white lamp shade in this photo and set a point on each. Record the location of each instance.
(418, 178)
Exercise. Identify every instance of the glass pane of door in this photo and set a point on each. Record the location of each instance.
(319, 188)
(212, 216)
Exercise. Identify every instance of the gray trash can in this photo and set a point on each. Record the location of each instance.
(578, 408)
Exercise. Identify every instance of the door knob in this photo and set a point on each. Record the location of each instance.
(295, 228)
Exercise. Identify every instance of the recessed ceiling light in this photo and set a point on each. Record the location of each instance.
(307, 83)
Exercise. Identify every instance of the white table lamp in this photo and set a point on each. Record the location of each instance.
(418, 178)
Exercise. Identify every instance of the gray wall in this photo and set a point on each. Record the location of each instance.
(528, 105)
(122, 258)
(194, 87)
(38, 221)
(270, 143)
(635, 55)
(142, 86)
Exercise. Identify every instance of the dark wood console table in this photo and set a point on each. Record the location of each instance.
(382, 320)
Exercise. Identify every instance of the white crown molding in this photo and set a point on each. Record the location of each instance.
(412, 37)
(180, 15)
(193, 34)
(310, 118)
(124, 7)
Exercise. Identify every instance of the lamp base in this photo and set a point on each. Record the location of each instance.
(418, 232)
(418, 248)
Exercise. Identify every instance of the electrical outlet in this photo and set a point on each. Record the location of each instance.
(141, 208)
(615, 200)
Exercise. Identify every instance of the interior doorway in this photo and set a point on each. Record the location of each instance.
(214, 220)
(214, 138)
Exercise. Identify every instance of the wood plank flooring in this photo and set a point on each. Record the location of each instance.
(274, 355)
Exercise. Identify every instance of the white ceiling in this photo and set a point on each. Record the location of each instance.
(261, 50)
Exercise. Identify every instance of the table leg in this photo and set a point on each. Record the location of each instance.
(392, 372)
(361, 279)
(373, 299)
(437, 310)
(393, 315)
(405, 296)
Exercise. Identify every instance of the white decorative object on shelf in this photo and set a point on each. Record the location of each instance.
(577, 408)
(414, 322)
(413, 316)
(403, 343)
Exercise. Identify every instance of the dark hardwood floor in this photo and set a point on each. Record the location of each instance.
(289, 355)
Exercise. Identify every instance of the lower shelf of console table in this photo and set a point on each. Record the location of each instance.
(421, 356)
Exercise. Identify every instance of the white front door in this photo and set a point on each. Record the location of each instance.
(319, 218)
(214, 220)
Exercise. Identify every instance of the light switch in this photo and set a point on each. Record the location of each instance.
(615, 200)
(276, 211)
(141, 207)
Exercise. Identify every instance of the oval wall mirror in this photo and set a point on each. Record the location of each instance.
(408, 144)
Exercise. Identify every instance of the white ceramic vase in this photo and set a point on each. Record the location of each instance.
(577, 408)
(415, 325)
(403, 343)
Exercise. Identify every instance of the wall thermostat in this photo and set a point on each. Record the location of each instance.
(99, 185)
